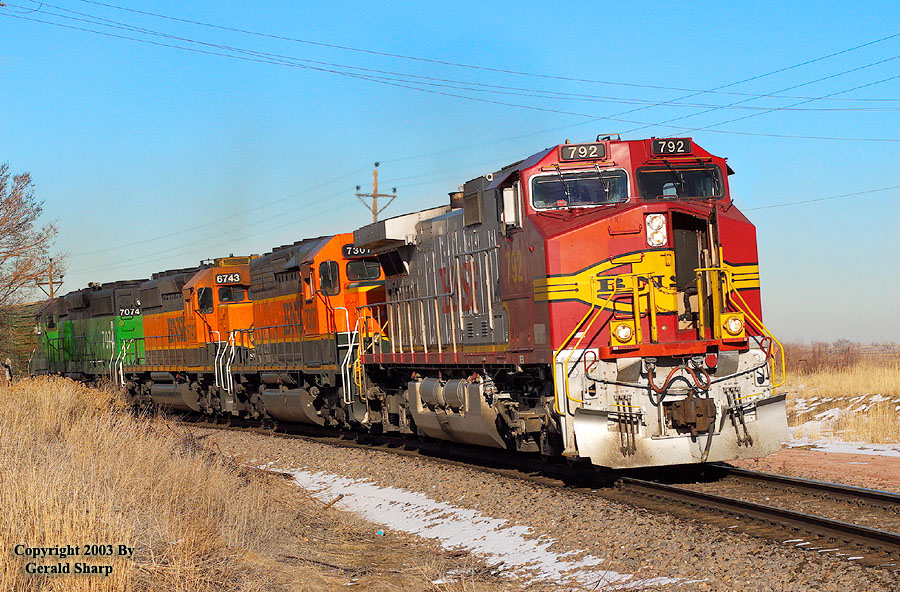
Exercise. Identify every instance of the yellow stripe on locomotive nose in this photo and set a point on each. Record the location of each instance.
(656, 265)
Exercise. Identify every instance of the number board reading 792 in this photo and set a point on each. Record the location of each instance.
(671, 146)
(228, 278)
(582, 151)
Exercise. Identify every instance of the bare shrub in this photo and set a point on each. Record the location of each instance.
(802, 358)
(24, 247)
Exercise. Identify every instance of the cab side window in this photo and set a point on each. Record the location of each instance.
(205, 300)
(329, 278)
(309, 289)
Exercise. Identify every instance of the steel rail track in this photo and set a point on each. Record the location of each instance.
(874, 547)
(880, 540)
(883, 499)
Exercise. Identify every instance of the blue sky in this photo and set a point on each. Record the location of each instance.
(151, 157)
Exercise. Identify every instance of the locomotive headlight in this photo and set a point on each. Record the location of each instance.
(656, 222)
(656, 230)
(623, 332)
(734, 325)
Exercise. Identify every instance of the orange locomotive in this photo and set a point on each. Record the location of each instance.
(189, 318)
(305, 302)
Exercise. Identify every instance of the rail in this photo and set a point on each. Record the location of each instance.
(885, 499)
(821, 526)
(870, 546)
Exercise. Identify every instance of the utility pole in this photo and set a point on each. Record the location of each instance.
(50, 283)
(375, 195)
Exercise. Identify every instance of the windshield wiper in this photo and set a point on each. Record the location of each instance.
(605, 181)
(565, 187)
(679, 176)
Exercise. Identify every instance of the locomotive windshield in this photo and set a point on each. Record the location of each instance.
(584, 188)
(363, 269)
(680, 182)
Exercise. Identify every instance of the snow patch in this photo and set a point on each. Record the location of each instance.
(830, 414)
(514, 548)
(846, 447)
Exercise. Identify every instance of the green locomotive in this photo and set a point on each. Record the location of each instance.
(89, 333)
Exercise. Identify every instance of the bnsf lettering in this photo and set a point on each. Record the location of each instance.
(176, 328)
(608, 284)
(468, 284)
(291, 312)
(228, 278)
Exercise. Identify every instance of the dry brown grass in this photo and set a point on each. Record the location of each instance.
(77, 468)
(843, 391)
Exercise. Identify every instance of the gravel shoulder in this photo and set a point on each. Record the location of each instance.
(629, 539)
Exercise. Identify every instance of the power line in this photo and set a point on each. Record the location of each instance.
(488, 68)
(468, 88)
(829, 77)
(676, 127)
(180, 250)
(222, 219)
(407, 84)
(458, 84)
(806, 201)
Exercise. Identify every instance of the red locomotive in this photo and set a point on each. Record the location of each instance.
(595, 300)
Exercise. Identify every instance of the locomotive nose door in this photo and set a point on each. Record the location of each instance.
(693, 250)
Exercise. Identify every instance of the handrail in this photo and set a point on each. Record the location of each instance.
(760, 327)
(636, 309)
(113, 357)
(730, 290)
(368, 335)
(216, 358)
(120, 364)
(399, 339)
(352, 341)
(228, 378)
(112, 351)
